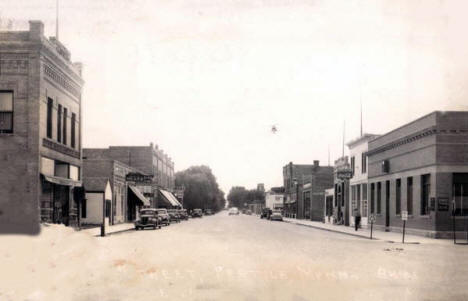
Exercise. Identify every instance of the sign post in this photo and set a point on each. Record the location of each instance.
(404, 217)
(371, 220)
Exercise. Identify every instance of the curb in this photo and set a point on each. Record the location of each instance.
(331, 230)
(115, 232)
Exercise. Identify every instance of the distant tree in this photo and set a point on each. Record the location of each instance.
(239, 196)
(201, 188)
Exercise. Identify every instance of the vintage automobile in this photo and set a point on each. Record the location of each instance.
(276, 215)
(183, 214)
(165, 219)
(233, 211)
(173, 215)
(148, 219)
(266, 212)
(248, 212)
(208, 212)
(197, 213)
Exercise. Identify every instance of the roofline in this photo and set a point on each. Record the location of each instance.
(365, 137)
(411, 122)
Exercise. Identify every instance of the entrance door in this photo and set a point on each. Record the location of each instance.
(61, 198)
(387, 204)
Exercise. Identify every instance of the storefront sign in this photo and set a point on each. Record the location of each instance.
(344, 174)
(443, 204)
(404, 215)
(138, 178)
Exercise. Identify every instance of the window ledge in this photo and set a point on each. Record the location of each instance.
(7, 134)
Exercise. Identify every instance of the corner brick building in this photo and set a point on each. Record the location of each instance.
(40, 131)
(149, 160)
(304, 185)
(422, 168)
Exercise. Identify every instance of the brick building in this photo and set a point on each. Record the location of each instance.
(421, 168)
(40, 131)
(149, 160)
(124, 180)
(304, 185)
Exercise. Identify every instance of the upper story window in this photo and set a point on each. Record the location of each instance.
(50, 107)
(352, 164)
(59, 123)
(6, 111)
(73, 128)
(363, 163)
(65, 113)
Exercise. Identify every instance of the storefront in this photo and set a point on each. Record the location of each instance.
(135, 201)
(170, 201)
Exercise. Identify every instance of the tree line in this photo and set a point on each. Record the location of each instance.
(240, 197)
(201, 188)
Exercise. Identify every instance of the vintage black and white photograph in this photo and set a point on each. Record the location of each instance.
(233, 150)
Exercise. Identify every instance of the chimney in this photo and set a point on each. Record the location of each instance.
(151, 145)
(36, 30)
(316, 163)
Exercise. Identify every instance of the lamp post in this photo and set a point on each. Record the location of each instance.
(297, 195)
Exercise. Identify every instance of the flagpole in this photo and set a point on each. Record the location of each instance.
(57, 20)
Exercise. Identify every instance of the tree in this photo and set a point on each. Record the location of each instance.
(201, 188)
(239, 196)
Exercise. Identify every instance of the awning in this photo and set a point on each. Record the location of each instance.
(139, 195)
(170, 198)
(62, 181)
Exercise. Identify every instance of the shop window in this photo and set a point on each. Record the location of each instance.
(425, 192)
(379, 198)
(50, 107)
(6, 112)
(398, 197)
(409, 195)
(460, 192)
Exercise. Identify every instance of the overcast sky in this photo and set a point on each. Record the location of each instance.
(206, 80)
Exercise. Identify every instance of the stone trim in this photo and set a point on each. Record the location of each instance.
(61, 80)
(405, 140)
(60, 148)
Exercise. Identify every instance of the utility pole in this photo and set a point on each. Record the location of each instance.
(57, 20)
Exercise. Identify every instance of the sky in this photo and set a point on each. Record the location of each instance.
(206, 80)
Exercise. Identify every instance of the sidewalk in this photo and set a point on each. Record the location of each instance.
(365, 233)
(96, 231)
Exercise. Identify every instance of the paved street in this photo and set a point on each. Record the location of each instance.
(225, 257)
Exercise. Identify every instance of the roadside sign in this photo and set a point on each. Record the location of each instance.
(404, 215)
(372, 218)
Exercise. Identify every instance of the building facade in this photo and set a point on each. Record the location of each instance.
(304, 185)
(40, 131)
(421, 168)
(358, 183)
(342, 173)
(274, 198)
(149, 160)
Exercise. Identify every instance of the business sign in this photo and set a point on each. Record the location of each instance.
(138, 178)
(443, 204)
(404, 215)
(344, 174)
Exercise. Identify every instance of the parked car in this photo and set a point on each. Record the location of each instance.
(248, 212)
(197, 213)
(266, 212)
(276, 215)
(148, 219)
(173, 215)
(208, 212)
(234, 211)
(165, 219)
(183, 214)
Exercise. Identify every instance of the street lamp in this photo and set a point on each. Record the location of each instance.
(297, 195)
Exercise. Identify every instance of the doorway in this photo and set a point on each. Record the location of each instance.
(387, 204)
